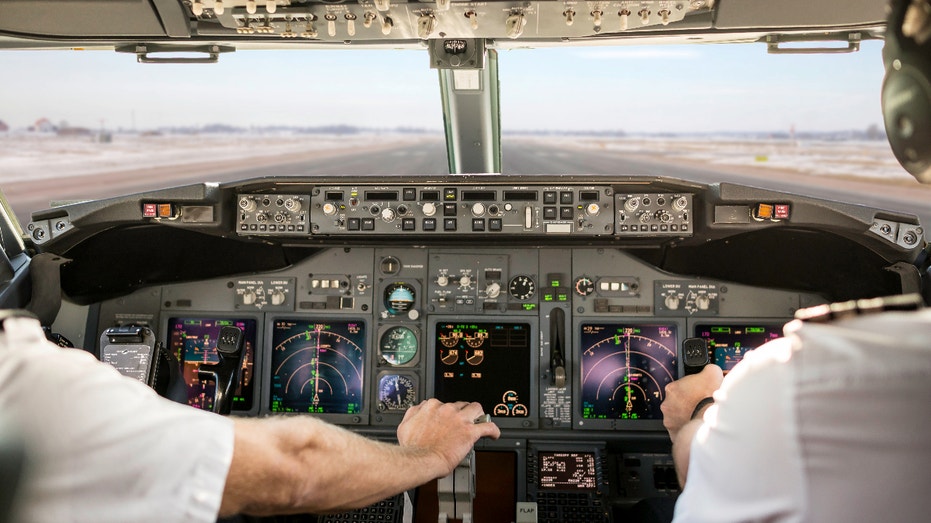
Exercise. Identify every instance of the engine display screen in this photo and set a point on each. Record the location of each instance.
(567, 471)
(729, 343)
(194, 342)
(625, 369)
(485, 362)
(317, 366)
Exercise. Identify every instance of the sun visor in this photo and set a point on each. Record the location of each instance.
(94, 18)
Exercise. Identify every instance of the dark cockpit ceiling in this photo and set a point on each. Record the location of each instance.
(251, 23)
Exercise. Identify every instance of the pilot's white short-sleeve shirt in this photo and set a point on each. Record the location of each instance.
(830, 424)
(102, 447)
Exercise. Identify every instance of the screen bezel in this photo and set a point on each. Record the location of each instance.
(257, 349)
(358, 418)
(533, 403)
(580, 423)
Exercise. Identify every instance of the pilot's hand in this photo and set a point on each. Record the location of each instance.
(446, 430)
(684, 394)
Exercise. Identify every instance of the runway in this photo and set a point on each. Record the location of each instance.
(427, 157)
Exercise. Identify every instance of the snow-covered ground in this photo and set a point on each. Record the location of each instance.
(35, 156)
(862, 159)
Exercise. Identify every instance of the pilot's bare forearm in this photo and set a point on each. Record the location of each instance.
(301, 464)
(681, 448)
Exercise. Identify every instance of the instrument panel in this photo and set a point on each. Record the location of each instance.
(472, 210)
(552, 303)
(547, 339)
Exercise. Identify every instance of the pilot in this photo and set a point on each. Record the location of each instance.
(104, 447)
(826, 424)
(829, 423)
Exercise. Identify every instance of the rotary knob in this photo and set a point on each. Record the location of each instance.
(329, 209)
(465, 281)
(277, 297)
(429, 209)
(703, 302)
(493, 290)
(388, 214)
(442, 280)
(478, 208)
(247, 204)
(671, 302)
(584, 286)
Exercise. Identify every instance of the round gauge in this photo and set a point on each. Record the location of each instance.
(521, 287)
(399, 298)
(584, 286)
(396, 392)
(398, 345)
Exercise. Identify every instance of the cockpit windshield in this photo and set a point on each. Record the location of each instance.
(707, 113)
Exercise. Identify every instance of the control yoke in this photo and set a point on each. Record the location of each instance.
(228, 370)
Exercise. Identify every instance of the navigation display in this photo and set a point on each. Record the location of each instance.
(194, 342)
(625, 369)
(485, 362)
(317, 366)
(567, 470)
(728, 343)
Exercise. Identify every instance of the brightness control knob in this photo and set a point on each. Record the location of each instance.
(277, 297)
(584, 286)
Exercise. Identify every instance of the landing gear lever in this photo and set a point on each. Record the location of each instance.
(557, 347)
(227, 372)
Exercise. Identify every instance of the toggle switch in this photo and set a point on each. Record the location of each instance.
(382, 5)
(330, 23)
(664, 14)
(473, 19)
(197, 8)
(625, 16)
(368, 18)
(597, 16)
(271, 6)
(386, 24)
(350, 23)
(251, 7)
(218, 7)
(570, 16)
(644, 16)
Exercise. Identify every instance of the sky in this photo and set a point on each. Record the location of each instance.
(679, 89)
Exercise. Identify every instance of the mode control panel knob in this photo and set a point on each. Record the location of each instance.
(247, 204)
(388, 214)
(632, 204)
(478, 208)
(329, 209)
(429, 209)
